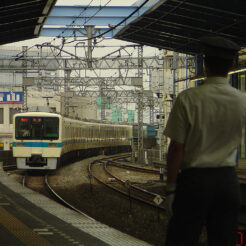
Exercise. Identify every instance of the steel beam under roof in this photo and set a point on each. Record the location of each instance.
(75, 32)
(21, 20)
(85, 11)
(69, 21)
(178, 24)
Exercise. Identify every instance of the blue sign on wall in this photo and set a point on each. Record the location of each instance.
(11, 97)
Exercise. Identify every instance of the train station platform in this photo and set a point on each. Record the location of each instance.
(29, 218)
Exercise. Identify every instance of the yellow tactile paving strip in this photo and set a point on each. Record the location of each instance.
(23, 233)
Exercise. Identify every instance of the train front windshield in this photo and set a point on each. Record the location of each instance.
(31, 128)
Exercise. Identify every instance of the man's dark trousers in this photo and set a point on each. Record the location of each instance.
(205, 196)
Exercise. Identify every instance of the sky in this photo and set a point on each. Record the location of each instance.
(96, 2)
(41, 40)
(111, 42)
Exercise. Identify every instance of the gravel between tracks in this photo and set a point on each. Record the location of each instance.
(108, 207)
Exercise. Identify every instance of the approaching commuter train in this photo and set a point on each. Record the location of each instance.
(41, 140)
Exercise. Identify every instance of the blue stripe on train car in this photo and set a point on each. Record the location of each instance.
(38, 144)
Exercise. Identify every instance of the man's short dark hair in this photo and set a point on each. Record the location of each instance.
(218, 66)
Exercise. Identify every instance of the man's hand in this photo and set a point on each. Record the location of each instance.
(174, 161)
(169, 204)
(170, 194)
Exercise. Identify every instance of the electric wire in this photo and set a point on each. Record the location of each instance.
(75, 18)
(61, 49)
(88, 19)
(117, 25)
(20, 55)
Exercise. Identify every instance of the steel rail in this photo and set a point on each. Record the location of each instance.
(11, 167)
(124, 191)
(144, 191)
(63, 201)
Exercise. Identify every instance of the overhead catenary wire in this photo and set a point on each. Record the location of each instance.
(88, 19)
(83, 10)
(61, 48)
(20, 55)
(117, 25)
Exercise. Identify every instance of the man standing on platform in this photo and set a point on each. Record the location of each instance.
(205, 128)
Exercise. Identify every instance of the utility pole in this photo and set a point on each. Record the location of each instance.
(140, 105)
(24, 87)
(89, 30)
(174, 75)
(151, 103)
(103, 100)
(66, 89)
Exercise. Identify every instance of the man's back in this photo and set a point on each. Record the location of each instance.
(213, 118)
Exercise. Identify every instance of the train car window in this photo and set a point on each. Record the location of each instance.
(102, 132)
(83, 135)
(75, 132)
(108, 133)
(22, 128)
(96, 132)
(68, 132)
(93, 133)
(118, 133)
(51, 128)
(89, 136)
(114, 131)
(111, 134)
(37, 128)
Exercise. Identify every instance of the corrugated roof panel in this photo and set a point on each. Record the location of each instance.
(20, 20)
(178, 24)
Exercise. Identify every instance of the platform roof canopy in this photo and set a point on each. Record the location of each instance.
(21, 20)
(178, 24)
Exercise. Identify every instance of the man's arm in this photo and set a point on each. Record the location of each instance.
(174, 161)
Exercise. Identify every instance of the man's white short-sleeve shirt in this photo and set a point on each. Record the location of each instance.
(208, 119)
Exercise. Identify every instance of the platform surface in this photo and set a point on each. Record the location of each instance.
(29, 218)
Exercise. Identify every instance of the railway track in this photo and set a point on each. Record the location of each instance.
(35, 181)
(9, 167)
(71, 183)
(130, 188)
(41, 184)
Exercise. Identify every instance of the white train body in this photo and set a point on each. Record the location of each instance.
(40, 139)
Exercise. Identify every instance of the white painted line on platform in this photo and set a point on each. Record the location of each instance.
(43, 231)
(39, 229)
